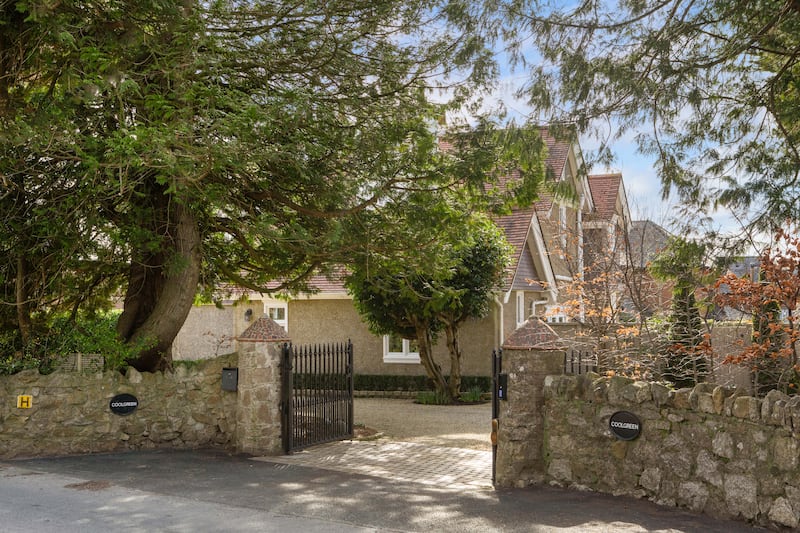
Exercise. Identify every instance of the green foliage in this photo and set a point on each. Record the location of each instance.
(426, 291)
(87, 334)
(472, 395)
(433, 398)
(391, 382)
(156, 147)
(708, 87)
(686, 358)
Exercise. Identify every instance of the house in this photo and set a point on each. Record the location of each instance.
(547, 240)
(647, 296)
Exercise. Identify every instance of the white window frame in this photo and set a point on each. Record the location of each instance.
(404, 357)
(283, 322)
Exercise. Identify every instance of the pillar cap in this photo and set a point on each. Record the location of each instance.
(534, 334)
(264, 330)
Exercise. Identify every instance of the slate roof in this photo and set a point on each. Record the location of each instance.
(647, 239)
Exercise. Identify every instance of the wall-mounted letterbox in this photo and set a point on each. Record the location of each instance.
(502, 387)
(230, 379)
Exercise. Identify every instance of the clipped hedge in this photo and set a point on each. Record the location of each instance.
(388, 382)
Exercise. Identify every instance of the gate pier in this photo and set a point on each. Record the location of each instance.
(258, 417)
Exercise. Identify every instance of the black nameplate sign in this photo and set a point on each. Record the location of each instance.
(625, 425)
(123, 404)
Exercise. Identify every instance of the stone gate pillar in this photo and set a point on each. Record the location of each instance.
(530, 354)
(258, 415)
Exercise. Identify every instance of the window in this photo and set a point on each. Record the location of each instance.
(521, 308)
(555, 314)
(277, 312)
(399, 350)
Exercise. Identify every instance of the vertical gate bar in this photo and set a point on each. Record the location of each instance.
(315, 351)
(299, 400)
(304, 380)
(299, 404)
(333, 386)
(323, 387)
(303, 422)
(349, 387)
(330, 420)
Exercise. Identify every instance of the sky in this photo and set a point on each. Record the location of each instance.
(642, 185)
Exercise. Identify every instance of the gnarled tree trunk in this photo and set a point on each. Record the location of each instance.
(432, 369)
(161, 289)
(454, 385)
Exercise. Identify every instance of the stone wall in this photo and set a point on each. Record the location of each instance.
(520, 460)
(709, 449)
(70, 414)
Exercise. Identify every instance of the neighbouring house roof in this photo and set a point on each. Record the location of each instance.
(747, 266)
(647, 239)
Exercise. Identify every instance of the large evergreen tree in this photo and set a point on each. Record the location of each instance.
(162, 146)
(687, 355)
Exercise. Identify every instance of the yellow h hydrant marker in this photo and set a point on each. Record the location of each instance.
(24, 401)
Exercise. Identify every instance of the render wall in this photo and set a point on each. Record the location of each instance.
(336, 320)
(70, 411)
(207, 332)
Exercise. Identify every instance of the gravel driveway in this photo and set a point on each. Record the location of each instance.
(456, 426)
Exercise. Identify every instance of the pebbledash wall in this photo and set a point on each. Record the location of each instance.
(69, 413)
(709, 449)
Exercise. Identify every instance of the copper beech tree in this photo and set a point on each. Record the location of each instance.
(771, 296)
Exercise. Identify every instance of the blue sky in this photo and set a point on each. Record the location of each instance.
(642, 185)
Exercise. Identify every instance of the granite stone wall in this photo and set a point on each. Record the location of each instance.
(69, 412)
(709, 448)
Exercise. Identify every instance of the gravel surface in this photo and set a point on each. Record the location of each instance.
(457, 426)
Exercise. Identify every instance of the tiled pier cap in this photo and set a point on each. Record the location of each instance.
(264, 330)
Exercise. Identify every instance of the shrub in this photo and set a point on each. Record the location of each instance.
(87, 334)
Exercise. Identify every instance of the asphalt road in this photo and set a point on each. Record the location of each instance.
(198, 491)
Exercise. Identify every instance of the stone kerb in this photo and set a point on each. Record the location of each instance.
(258, 421)
(708, 448)
(529, 355)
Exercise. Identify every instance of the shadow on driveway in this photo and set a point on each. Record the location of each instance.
(350, 500)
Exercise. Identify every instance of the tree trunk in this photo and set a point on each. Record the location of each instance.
(161, 290)
(433, 370)
(451, 333)
(23, 307)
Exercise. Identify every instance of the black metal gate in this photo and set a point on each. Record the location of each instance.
(317, 394)
(498, 393)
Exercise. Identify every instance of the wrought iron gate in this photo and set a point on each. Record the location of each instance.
(317, 394)
(498, 393)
